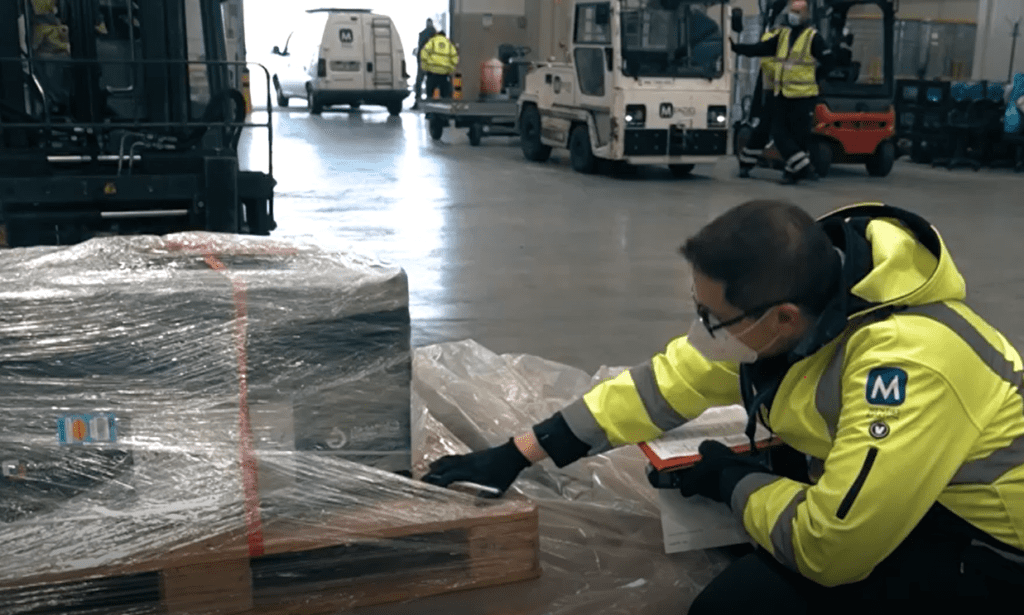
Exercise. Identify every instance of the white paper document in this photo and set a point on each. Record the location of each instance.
(695, 523)
(725, 424)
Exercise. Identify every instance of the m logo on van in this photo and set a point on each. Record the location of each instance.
(666, 110)
(346, 35)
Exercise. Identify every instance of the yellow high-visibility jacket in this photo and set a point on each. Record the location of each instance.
(796, 78)
(904, 409)
(49, 35)
(439, 56)
(770, 67)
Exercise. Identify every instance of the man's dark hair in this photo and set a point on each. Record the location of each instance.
(441, 32)
(765, 251)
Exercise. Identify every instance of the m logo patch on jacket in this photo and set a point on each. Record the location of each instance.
(887, 386)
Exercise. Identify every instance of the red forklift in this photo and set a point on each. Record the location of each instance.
(855, 118)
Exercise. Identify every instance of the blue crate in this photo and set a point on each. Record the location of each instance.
(1013, 121)
(977, 90)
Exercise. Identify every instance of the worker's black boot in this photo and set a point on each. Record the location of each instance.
(788, 179)
(745, 171)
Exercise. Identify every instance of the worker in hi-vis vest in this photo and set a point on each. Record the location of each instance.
(438, 58)
(797, 49)
(851, 338)
(762, 107)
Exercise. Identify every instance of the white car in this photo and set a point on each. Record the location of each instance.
(342, 57)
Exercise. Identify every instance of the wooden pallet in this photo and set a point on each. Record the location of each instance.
(324, 566)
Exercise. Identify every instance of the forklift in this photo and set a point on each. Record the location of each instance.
(855, 118)
(122, 117)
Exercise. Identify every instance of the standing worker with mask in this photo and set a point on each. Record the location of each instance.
(796, 49)
(438, 58)
(426, 34)
(850, 338)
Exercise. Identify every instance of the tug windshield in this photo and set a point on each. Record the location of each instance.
(672, 38)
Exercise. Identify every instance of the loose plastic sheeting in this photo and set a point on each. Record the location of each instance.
(602, 549)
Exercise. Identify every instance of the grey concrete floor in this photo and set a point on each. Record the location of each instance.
(536, 258)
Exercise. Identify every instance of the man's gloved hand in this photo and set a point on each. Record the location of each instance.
(495, 467)
(716, 474)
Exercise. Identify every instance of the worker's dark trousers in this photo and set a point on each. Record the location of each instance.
(442, 83)
(762, 133)
(791, 130)
(418, 89)
(935, 570)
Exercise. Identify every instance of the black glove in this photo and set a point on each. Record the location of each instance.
(494, 467)
(716, 474)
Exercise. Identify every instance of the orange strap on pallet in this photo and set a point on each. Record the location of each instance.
(249, 462)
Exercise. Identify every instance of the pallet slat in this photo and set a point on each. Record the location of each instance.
(307, 569)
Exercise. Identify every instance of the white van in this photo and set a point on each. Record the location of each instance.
(342, 57)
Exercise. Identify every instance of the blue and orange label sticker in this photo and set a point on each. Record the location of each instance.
(74, 429)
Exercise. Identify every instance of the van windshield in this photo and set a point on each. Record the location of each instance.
(685, 42)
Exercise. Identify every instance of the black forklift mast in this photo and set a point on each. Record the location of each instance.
(125, 133)
(841, 81)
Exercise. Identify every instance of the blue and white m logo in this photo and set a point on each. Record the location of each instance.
(887, 386)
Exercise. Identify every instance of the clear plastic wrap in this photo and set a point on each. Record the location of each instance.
(602, 550)
(179, 432)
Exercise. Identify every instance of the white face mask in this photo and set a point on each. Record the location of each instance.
(724, 346)
(795, 19)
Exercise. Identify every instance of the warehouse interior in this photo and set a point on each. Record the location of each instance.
(244, 405)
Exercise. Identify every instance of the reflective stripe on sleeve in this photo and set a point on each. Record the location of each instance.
(746, 488)
(782, 533)
(584, 426)
(658, 409)
(828, 395)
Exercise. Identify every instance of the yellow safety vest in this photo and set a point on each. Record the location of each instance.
(904, 409)
(796, 65)
(770, 65)
(49, 35)
(439, 56)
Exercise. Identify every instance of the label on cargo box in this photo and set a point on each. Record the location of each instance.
(363, 434)
(77, 429)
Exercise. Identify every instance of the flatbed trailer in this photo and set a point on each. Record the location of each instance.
(483, 118)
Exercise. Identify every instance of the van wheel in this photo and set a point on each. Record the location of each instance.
(529, 136)
(282, 100)
(476, 133)
(394, 108)
(581, 156)
(881, 163)
(315, 106)
(437, 128)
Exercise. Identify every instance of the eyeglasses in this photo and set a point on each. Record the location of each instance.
(712, 324)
